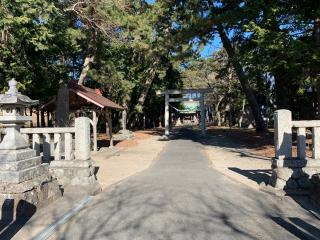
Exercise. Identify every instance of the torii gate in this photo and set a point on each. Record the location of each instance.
(167, 94)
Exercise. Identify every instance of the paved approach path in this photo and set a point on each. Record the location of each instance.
(181, 197)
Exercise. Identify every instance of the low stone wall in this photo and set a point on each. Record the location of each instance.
(291, 173)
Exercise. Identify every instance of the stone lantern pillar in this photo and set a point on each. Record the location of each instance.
(22, 175)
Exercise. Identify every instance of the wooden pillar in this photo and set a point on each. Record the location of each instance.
(166, 115)
(38, 118)
(94, 127)
(109, 126)
(31, 124)
(48, 119)
(43, 121)
(203, 116)
(124, 120)
(62, 107)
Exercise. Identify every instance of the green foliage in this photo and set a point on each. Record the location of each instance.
(43, 43)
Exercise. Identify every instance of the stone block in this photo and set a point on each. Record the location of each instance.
(16, 155)
(70, 163)
(310, 171)
(283, 173)
(26, 202)
(23, 175)
(313, 163)
(24, 186)
(19, 165)
(280, 184)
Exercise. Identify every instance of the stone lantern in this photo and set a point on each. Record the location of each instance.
(24, 179)
(12, 105)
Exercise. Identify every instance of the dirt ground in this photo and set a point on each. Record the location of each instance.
(103, 139)
(257, 143)
(241, 154)
(134, 155)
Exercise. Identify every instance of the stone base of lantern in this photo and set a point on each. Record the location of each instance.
(25, 183)
(76, 173)
(293, 174)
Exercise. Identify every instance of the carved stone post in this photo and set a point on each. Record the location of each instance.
(283, 134)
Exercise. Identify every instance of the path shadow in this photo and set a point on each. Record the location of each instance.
(257, 175)
(12, 220)
(298, 227)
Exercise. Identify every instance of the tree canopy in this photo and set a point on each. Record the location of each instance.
(269, 56)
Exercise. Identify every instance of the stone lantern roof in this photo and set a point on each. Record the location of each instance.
(14, 97)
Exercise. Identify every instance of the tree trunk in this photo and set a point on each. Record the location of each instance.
(139, 106)
(146, 89)
(108, 121)
(242, 113)
(260, 123)
(282, 89)
(217, 111)
(85, 69)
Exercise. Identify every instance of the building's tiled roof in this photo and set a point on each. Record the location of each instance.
(93, 95)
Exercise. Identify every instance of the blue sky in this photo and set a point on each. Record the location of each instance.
(211, 47)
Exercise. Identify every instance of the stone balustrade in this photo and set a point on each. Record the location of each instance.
(56, 143)
(294, 172)
(67, 149)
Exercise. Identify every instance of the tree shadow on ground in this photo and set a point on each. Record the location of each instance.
(299, 228)
(134, 210)
(12, 220)
(257, 175)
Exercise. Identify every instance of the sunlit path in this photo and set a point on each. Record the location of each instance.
(181, 197)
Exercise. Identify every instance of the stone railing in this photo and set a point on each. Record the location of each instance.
(68, 148)
(284, 127)
(51, 142)
(294, 172)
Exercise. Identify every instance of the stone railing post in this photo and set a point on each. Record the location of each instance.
(78, 171)
(316, 142)
(283, 134)
(82, 138)
(290, 173)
